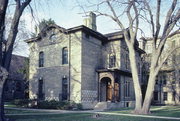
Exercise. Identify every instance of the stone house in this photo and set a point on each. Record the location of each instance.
(16, 86)
(167, 88)
(82, 65)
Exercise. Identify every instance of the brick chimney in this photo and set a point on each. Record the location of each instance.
(91, 21)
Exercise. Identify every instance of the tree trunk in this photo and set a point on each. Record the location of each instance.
(136, 81)
(149, 93)
(2, 116)
(3, 77)
(151, 83)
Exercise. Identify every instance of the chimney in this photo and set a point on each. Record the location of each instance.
(91, 21)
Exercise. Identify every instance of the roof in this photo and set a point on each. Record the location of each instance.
(70, 30)
(122, 72)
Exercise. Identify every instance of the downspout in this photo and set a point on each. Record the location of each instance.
(69, 66)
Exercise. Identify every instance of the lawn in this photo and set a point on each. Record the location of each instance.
(169, 111)
(81, 117)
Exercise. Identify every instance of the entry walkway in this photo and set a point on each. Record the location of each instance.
(49, 112)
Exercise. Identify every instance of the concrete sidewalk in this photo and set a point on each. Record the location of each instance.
(49, 112)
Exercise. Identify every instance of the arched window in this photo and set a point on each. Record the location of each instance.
(41, 59)
(112, 60)
(65, 55)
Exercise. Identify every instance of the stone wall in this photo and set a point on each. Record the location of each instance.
(91, 61)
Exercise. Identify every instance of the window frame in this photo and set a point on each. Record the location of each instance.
(112, 60)
(64, 55)
(41, 59)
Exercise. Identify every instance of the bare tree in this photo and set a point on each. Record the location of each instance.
(134, 11)
(6, 46)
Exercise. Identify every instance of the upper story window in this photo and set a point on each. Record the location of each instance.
(65, 55)
(112, 60)
(41, 59)
(164, 79)
(53, 37)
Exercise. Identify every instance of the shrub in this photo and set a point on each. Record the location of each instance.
(45, 104)
(21, 102)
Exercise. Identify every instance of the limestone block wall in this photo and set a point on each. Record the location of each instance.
(131, 97)
(124, 57)
(91, 60)
(33, 70)
(75, 66)
(112, 47)
(53, 71)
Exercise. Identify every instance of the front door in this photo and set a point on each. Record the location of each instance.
(109, 91)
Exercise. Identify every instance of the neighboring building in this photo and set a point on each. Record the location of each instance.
(17, 85)
(81, 65)
(167, 88)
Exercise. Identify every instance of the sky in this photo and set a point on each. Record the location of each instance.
(67, 14)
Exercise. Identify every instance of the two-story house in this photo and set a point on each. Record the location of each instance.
(81, 65)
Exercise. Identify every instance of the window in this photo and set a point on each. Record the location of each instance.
(41, 59)
(64, 88)
(53, 38)
(112, 61)
(40, 89)
(155, 96)
(65, 55)
(173, 96)
(165, 96)
(127, 88)
(164, 80)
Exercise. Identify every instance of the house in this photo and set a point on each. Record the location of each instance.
(82, 65)
(167, 88)
(16, 86)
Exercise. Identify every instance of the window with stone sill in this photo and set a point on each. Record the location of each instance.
(41, 59)
(65, 55)
(165, 96)
(112, 60)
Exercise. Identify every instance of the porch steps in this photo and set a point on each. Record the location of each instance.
(101, 106)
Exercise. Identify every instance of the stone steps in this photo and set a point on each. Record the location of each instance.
(101, 106)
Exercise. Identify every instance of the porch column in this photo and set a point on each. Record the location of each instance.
(99, 90)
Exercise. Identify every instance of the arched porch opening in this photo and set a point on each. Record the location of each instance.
(106, 92)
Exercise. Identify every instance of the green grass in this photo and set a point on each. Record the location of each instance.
(81, 117)
(9, 104)
(169, 111)
(16, 111)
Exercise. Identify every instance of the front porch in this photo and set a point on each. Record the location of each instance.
(113, 91)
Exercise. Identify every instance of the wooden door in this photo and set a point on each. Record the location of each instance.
(109, 92)
(116, 91)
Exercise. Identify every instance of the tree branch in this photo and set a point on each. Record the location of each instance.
(167, 54)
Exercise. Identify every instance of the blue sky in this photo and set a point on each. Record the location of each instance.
(68, 13)
(65, 13)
